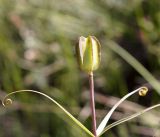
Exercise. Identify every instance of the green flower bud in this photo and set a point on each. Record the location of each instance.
(88, 53)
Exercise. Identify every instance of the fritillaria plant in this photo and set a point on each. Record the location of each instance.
(88, 57)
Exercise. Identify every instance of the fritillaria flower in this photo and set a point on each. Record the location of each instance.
(88, 53)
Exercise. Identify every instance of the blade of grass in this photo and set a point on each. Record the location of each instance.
(135, 64)
(128, 118)
(7, 101)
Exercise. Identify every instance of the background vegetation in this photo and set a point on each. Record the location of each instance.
(37, 41)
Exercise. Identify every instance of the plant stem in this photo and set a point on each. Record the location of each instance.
(92, 103)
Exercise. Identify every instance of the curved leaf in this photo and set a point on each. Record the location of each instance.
(8, 101)
(128, 118)
(107, 117)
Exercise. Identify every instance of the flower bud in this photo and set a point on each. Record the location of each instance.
(88, 53)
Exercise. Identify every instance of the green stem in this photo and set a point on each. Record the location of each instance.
(92, 103)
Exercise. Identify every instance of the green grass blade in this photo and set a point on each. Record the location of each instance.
(128, 118)
(7, 101)
(135, 64)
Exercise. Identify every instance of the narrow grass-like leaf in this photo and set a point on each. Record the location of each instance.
(107, 117)
(128, 118)
(8, 101)
(135, 64)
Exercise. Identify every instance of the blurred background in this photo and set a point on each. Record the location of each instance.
(37, 42)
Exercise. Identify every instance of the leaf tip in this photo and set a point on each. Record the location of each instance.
(143, 91)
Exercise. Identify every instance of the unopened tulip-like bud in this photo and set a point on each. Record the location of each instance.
(88, 53)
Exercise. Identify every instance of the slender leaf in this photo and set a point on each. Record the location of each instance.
(128, 118)
(7, 101)
(107, 117)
